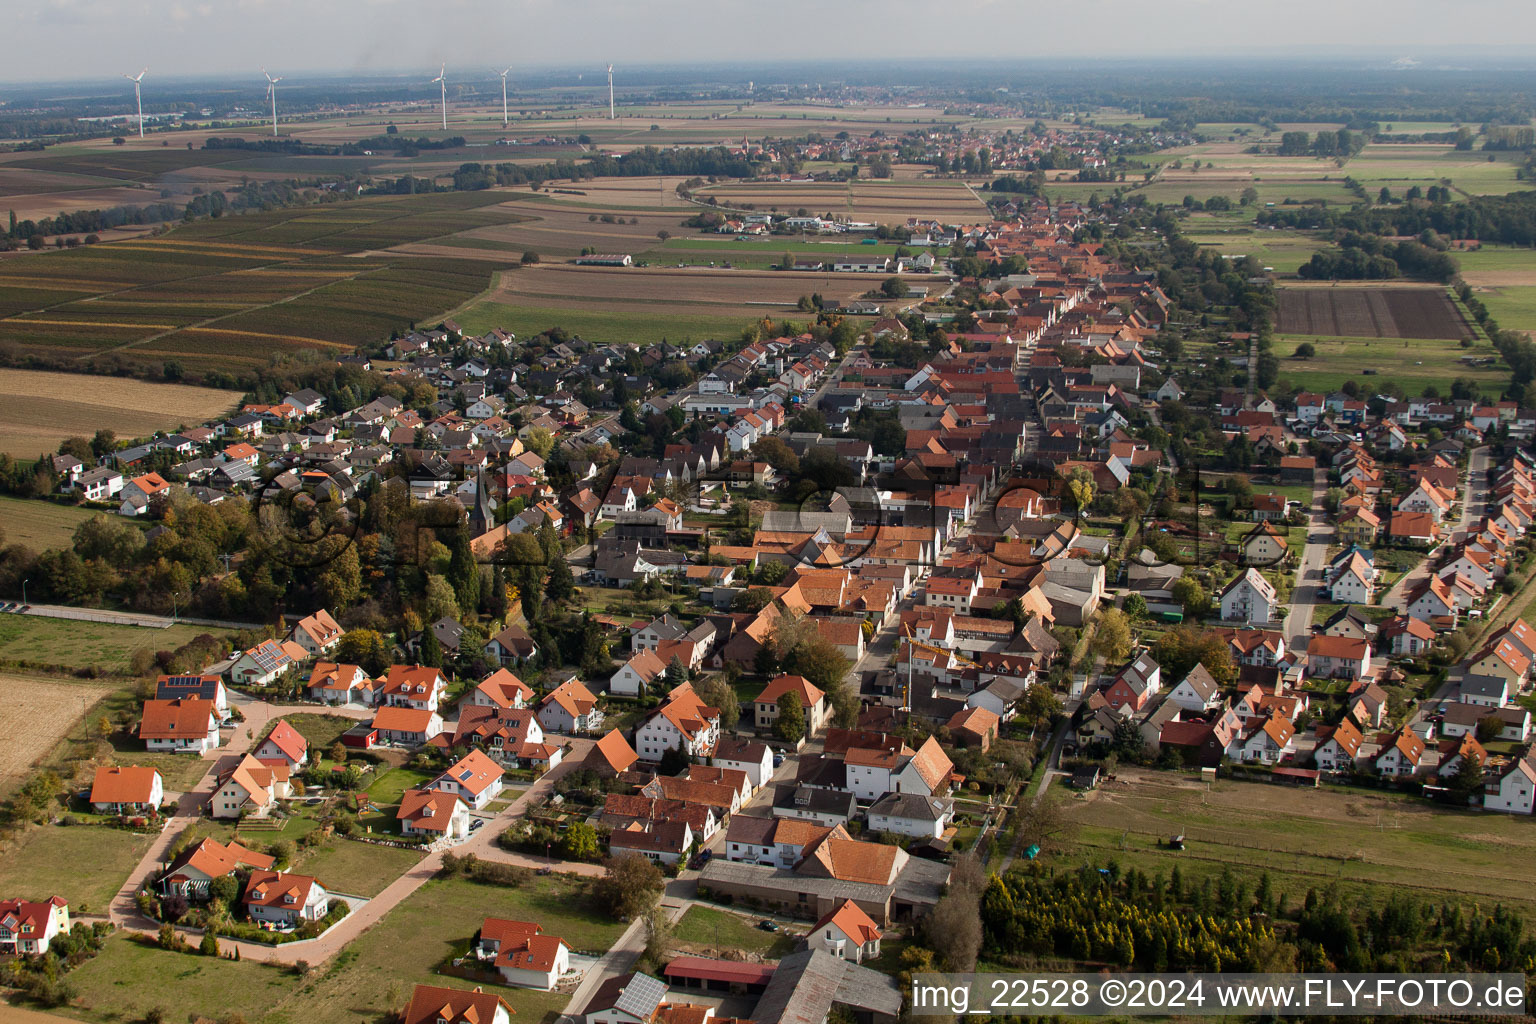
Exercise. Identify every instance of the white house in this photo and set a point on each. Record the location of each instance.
(522, 954)
(285, 745)
(1249, 598)
(265, 662)
(250, 788)
(475, 779)
(847, 933)
(570, 708)
(911, 814)
(186, 725)
(434, 814)
(754, 758)
(1196, 692)
(684, 722)
(27, 928)
(1402, 756)
(1337, 749)
(316, 633)
(636, 674)
(284, 900)
(1513, 790)
(125, 789)
(405, 725)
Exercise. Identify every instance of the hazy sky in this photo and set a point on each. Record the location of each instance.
(58, 39)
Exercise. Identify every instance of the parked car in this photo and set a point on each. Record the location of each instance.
(768, 926)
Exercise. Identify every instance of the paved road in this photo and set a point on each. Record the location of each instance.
(60, 611)
(1309, 577)
(1474, 497)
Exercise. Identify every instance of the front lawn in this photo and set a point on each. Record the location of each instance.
(85, 864)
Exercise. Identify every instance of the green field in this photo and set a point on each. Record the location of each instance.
(358, 869)
(1369, 843)
(712, 932)
(72, 644)
(85, 864)
(372, 977)
(321, 731)
(1513, 307)
(599, 326)
(40, 525)
(1410, 363)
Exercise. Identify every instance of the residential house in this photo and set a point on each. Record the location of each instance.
(1338, 747)
(754, 758)
(249, 789)
(126, 789)
(434, 814)
(911, 814)
(1512, 787)
(283, 745)
(284, 901)
(1249, 598)
(812, 701)
(409, 726)
(342, 686)
(522, 954)
(316, 633)
(197, 866)
(847, 933)
(1338, 657)
(209, 688)
(474, 779)
(185, 725)
(432, 1004)
(266, 662)
(570, 709)
(27, 929)
(1402, 754)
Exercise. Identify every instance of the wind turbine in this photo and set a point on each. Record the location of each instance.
(272, 95)
(440, 80)
(610, 92)
(504, 120)
(137, 99)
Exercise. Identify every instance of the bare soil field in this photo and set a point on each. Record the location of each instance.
(38, 409)
(1370, 313)
(35, 714)
(750, 293)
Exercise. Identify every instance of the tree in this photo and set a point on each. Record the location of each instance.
(580, 842)
(209, 945)
(893, 288)
(540, 441)
(430, 652)
(440, 601)
(658, 935)
(339, 752)
(225, 888)
(1135, 605)
(1112, 638)
(1467, 781)
(530, 257)
(365, 648)
(1188, 592)
(561, 584)
(630, 886)
(790, 725)
(1306, 350)
(1044, 821)
(1488, 728)
(1080, 486)
(953, 927)
(717, 693)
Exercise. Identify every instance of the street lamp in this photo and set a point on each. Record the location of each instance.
(24, 591)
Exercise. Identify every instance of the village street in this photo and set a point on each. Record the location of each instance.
(1309, 574)
(1474, 498)
(124, 912)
